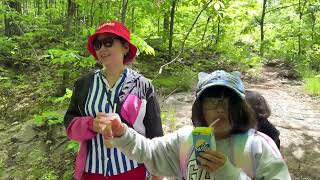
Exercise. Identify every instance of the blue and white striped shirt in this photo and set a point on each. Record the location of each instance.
(101, 98)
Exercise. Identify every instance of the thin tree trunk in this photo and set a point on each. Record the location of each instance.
(124, 10)
(218, 31)
(173, 7)
(11, 26)
(70, 14)
(158, 25)
(299, 36)
(313, 19)
(301, 8)
(132, 19)
(262, 27)
(166, 22)
(184, 40)
(38, 7)
(205, 29)
(91, 13)
(24, 7)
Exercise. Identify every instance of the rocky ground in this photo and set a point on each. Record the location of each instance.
(295, 114)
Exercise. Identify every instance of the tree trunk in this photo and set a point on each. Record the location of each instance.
(124, 11)
(262, 27)
(205, 29)
(132, 19)
(71, 10)
(166, 21)
(24, 7)
(158, 25)
(38, 7)
(91, 13)
(299, 35)
(218, 31)
(11, 27)
(301, 8)
(313, 19)
(173, 8)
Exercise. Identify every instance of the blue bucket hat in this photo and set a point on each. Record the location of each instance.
(220, 78)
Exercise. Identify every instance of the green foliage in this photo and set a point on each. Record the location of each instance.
(50, 117)
(65, 97)
(61, 57)
(312, 85)
(311, 79)
(169, 118)
(51, 175)
(142, 45)
(8, 48)
(182, 80)
(226, 36)
(313, 58)
(73, 146)
(206, 65)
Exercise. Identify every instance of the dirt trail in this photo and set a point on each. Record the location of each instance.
(296, 115)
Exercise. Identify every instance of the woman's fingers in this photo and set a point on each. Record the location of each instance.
(107, 135)
(113, 128)
(99, 124)
(101, 114)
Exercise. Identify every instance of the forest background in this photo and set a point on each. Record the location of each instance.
(43, 50)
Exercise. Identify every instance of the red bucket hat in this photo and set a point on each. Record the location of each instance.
(118, 29)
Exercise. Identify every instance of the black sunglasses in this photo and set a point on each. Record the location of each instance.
(107, 42)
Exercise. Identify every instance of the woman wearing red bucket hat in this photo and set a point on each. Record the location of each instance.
(113, 90)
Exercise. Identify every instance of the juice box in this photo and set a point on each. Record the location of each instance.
(203, 140)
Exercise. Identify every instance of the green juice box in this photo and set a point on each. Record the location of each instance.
(203, 140)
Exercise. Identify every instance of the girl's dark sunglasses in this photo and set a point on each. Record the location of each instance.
(107, 42)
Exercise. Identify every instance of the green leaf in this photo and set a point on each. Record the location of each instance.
(73, 145)
(38, 120)
(64, 97)
(4, 78)
(211, 4)
(142, 45)
(217, 6)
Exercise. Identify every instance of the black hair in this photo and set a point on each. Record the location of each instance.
(241, 116)
(258, 104)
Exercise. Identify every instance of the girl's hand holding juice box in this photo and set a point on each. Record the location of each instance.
(203, 140)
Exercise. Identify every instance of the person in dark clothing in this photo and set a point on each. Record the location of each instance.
(262, 110)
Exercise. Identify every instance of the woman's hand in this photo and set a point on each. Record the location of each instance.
(114, 127)
(211, 160)
(100, 122)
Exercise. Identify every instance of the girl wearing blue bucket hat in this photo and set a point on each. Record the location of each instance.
(240, 151)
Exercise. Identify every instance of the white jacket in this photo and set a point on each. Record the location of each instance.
(251, 155)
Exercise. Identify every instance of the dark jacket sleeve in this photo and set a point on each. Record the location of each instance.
(78, 98)
(152, 119)
(73, 109)
(78, 125)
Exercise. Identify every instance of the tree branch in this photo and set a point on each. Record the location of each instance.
(282, 7)
(184, 41)
(258, 20)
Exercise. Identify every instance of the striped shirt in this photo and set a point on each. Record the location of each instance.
(101, 98)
